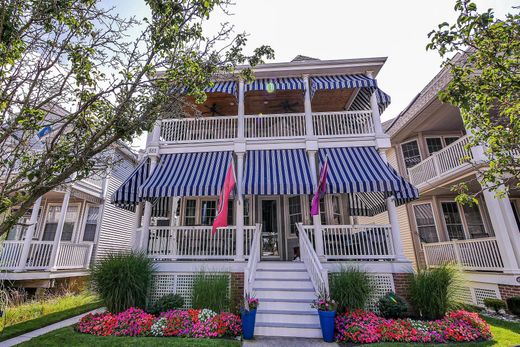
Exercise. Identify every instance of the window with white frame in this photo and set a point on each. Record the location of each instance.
(435, 144)
(425, 223)
(474, 222)
(190, 210)
(295, 212)
(18, 231)
(463, 220)
(453, 220)
(247, 212)
(91, 223)
(51, 222)
(208, 212)
(448, 140)
(411, 153)
(336, 210)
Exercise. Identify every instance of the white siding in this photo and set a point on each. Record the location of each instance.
(115, 232)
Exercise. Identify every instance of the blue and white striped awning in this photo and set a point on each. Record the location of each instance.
(274, 172)
(126, 196)
(361, 170)
(281, 83)
(341, 82)
(229, 87)
(362, 100)
(187, 174)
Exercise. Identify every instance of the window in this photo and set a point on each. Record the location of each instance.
(411, 153)
(434, 144)
(322, 209)
(336, 210)
(51, 225)
(453, 221)
(449, 140)
(474, 221)
(230, 213)
(247, 219)
(425, 223)
(208, 212)
(295, 212)
(189, 212)
(91, 224)
(17, 232)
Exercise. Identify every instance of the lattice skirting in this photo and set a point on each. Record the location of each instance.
(475, 293)
(180, 283)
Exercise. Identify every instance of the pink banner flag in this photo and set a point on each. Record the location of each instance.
(320, 191)
(223, 201)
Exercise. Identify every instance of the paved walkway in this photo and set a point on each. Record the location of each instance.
(287, 342)
(27, 336)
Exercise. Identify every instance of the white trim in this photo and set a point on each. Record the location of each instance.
(465, 227)
(421, 154)
(88, 205)
(278, 221)
(435, 221)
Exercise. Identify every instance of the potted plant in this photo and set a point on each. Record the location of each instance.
(248, 313)
(327, 311)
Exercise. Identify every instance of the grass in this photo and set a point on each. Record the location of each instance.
(34, 315)
(68, 337)
(505, 334)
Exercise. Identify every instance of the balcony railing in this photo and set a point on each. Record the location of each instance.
(475, 254)
(71, 255)
(269, 126)
(447, 160)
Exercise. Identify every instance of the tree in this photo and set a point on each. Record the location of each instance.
(485, 86)
(73, 83)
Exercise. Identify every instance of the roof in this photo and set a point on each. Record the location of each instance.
(303, 58)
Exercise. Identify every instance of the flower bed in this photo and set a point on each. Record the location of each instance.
(366, 327)
(135, 322)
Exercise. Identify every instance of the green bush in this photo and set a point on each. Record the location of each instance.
(433, 292)
(513, 305)
(122, 280)
(495, 304)
(392, 306)
(167, 302)
(211, 291)
(350, 288)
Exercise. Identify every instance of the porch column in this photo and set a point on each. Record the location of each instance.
(59, 230)
(316, 221)
(241, 110)
(500, 212)
(394, 222)
(137, 223)
(240, 209)
(309, 131)
(376, 116)
(29, 235)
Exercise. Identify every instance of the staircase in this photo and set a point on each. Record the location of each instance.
(285, 292)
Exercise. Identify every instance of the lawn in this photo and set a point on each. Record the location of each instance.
(68, 337)
(34, 315)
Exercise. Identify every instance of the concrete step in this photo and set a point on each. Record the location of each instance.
(282, 274)
(288, 330)
(280, 265)
(286, 316)
(283, 293)
(287, 304)
(283, 283)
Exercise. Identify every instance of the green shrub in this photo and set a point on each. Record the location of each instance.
(495, 304)
(513, 305)
(122, 280)
(350, 288)
(433, 292)
(211, 291)
(167, 302)
(392, 306)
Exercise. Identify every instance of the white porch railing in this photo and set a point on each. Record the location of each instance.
(343, 123)
(448, 159)
(275, 125)
(74, 255)
(10, 252)
(196, 242)
(199, 129)
(319, 276)
(475, 254)
(39, 257)
(254, 259)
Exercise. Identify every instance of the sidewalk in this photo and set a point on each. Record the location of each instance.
(27, 336)
(286, 342)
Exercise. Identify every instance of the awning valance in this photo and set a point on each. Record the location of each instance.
(273, 172)
(187, 174)
(341, 82)
(126, 196)
(281, 83)
(362, 100)
(229, 87)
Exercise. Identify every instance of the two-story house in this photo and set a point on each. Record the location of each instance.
(277, 131)
(69, 228)
(429, 141)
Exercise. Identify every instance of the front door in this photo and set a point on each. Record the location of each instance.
(270, 242)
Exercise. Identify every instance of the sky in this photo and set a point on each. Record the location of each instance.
(345, 29)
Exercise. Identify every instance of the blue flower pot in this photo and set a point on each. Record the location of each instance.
(327, 325)
(248, 324)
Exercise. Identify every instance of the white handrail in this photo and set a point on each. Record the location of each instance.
(254, 259)
(319, 275)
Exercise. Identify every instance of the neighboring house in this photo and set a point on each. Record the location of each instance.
(429, 145)
(277, 131)
(69, 228)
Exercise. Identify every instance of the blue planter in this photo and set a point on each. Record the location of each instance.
(327, 325)
(248, 324)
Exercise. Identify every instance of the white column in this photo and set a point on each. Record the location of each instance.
(147, 215)
(376, 116)
(136, 239)
(240, 208)
(29, 235)
(59, 230)
(241, 109)
(308, 109)
(394, 222)
(316, 221)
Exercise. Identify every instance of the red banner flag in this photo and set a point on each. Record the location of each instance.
(223, 201)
